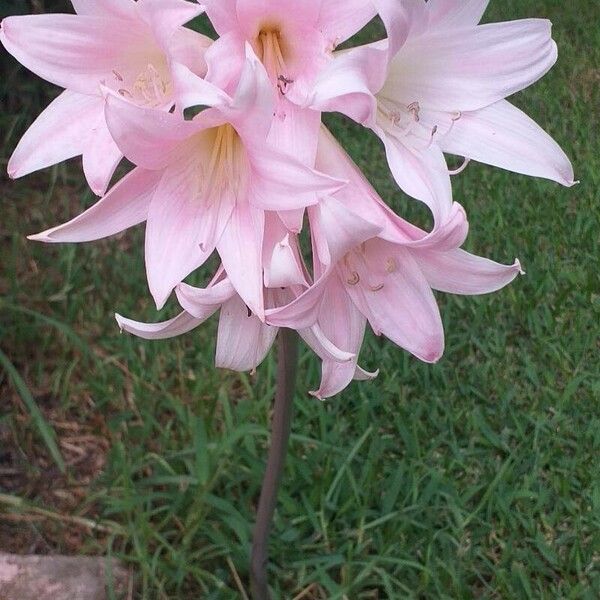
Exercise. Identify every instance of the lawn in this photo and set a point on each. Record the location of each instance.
(475, 478)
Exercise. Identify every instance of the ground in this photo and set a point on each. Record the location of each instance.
(475, 478)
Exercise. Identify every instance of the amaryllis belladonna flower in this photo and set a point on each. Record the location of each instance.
(371, 265)
(202, 185)
(125, 45)
(438, 84)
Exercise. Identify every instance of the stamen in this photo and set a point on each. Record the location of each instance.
(462, 167)
(150, 88)
(376, 288)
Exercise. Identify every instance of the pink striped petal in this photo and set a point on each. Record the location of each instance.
(183, 323)
(243, 341)
(503, 136)
(59, 133)
(124, 206)
(458, 272)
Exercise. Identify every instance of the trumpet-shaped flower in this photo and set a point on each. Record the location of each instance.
(125, 45)
(243, 340)
(438, 84)
(202, 185)
(374, 266)
(294, 40)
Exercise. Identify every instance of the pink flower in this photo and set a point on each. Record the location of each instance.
(243, 340)
(201, 185)
(127, 46)
(374, 266)
(294, 41)
(438, 85)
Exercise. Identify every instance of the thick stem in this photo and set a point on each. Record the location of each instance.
(287, 363)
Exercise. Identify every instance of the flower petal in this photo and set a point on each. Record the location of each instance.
(148, 138)
(344, 325)
(181, 324)
(451, 14)
(204, 302)
(183, 228)
(240, 249)
(59, 133)
(281, 182)
(503, 136)
(243, 340)
(100, 157)
(458, 272)
(341, 20)
(467, 69)
(398, 303)
(85, 53)
(102, 8)
(124, 206)
(422, 174)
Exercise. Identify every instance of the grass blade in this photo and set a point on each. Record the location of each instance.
(44, 428)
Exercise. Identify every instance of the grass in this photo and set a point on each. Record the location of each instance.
(475, 478)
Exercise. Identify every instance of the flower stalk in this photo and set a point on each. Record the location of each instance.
(287, 363)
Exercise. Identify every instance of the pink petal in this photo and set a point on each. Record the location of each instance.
(85, 53)
(503, 136)
(422, 174)
(281, 257)
(243, 340)
(183, 227)
(462, 70)
(188, 48)
(225, 60)
(341, 228)
(322, 346)
(222, 14)
(124, 206)
(449, 14)
(341, 20)
(204, 302)
(165, 17)
(148, 138)
(240, 249)
(344, 325)
(396, 298)
(102, 8)
(100, 157)
(281, 182)
(192, 90)
(458, 272)
(349, 81)
(184, 323)
(59, 133)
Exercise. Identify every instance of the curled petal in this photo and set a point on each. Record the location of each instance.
(459, 272)
(181, 324)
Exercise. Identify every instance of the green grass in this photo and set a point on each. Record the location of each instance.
(475, 478)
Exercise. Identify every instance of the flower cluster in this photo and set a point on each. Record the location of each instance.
(231, 157)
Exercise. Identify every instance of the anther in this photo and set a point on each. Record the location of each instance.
(125, 93)
(118, 75)
(354, 280)
(390, 265)
(376, 288)
(415, 110)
